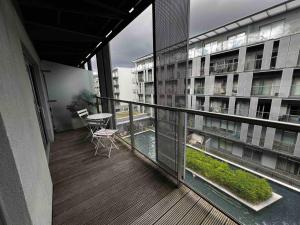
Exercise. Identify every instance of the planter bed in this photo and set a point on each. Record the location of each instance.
(252, 191)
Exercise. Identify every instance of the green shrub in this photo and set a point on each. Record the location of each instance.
(244, 184)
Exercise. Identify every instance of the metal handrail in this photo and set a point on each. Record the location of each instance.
(223, 67)
(242, 119)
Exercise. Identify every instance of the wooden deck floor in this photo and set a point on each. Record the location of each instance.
(90, 190)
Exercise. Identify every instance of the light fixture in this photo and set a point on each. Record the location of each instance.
(108, 34)
(99, 44)
(131, 10)
(88, 55)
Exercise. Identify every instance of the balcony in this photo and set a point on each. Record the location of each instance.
(223, 68)
(220, 90)
(265, 90)
(218, 109)
(121, 190)
(253, 64)
(154, 177)
(199, 90)
(262, 114)
(295, 90)
(283, 147)
(290, 118)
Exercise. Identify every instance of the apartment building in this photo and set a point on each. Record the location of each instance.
(144, 81)
(250, 68)
(123, 86)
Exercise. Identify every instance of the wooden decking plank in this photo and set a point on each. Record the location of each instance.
(179, 210)
(215, 217)
(141, 207)
(91, 190)
(159, 209)
(123, 203)
(197, 214)
(90, 208)
(104, 177)
(230, 222)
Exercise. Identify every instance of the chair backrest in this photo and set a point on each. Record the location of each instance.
(82, 113)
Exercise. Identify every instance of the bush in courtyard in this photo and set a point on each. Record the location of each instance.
(244, 184)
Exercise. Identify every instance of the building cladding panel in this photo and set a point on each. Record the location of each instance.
(252, 70)
(171, 26)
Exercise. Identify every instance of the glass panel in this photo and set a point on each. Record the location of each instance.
(144, 130)
(122, 120)
(236, 176)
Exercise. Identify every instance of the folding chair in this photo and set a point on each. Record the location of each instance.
(101, 136)
(90, 125)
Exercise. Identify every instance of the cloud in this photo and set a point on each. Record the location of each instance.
(136, 39)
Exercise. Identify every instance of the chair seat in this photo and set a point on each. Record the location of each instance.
(105, 132)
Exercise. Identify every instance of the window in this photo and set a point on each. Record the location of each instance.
(272, 30)
(298, 61)
(288, 166)
(237, 40)
(225, 145)
(150, 75)
(210, 47)
(253, 155)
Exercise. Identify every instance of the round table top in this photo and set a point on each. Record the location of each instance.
(99, 116)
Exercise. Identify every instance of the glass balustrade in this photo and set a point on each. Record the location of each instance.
(254, 177)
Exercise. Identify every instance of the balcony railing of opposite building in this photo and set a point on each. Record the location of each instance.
(253, 64)
(234, 134)
(199, 90)
(242, 112)
(283, 146)
(265, 90)
(223, 68)
(251, 38)
(200, 107)
(262, 114)
(290, 118)
(295, 90)
(220, 90)
(218, 110)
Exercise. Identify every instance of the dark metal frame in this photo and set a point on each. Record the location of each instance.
(235, 118)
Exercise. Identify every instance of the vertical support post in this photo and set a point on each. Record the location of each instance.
(105, 80)
(181, 145)
(131, 127)
(97, 104)
(155, 79)
(111, 106)
(89, 65)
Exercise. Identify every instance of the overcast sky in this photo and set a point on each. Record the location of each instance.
(136, 39)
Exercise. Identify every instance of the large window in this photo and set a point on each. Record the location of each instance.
(272, 30)
(237, 40)
(210, 47)
(252, 155)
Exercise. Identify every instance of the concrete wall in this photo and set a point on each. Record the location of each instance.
(64, 85)
(26, 197)
(126, 85)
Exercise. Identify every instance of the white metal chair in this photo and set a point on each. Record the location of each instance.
(91, 126)
(101, 136)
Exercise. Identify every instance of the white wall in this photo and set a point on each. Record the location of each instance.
(126, 85)
(63, 84)
(23, 150)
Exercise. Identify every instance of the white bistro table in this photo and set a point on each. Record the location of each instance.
(100, 118)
